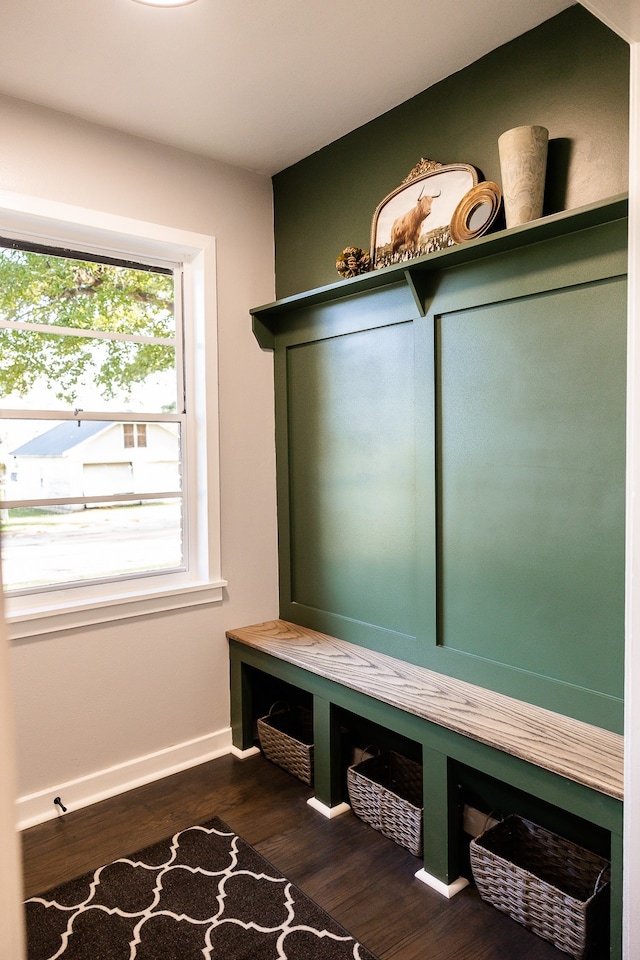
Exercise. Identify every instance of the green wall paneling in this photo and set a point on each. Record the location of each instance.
(531, 483)
(530, 411)
(451, 473)
(352, 476)
(345, 438)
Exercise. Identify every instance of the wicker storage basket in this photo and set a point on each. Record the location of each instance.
(386, 792)
(548, 884)
(286, 738)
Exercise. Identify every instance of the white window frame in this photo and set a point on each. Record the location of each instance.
(25, 218)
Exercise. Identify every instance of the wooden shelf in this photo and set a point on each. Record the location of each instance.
(409, 272)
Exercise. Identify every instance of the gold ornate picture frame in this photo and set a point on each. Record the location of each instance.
(415, 218)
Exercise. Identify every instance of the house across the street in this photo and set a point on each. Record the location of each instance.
(93, 457)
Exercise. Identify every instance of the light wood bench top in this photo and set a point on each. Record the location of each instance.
(575, 750)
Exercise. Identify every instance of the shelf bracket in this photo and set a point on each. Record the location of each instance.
(421, 286)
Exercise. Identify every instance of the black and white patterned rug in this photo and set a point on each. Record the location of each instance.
(203, 893)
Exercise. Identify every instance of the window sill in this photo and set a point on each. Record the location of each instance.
(52, 617)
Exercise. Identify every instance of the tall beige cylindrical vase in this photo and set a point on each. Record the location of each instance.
(523, 165)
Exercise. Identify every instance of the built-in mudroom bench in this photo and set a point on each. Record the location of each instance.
(566, 763)
(450, 442)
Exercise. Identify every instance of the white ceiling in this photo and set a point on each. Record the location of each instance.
(257, 83)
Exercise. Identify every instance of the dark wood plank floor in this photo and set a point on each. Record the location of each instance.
(364, 880)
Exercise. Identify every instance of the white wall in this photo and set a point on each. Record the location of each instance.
(623, 16)
(99, 708)
(631, 916)
(11, 915)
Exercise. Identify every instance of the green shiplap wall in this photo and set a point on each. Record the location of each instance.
(570, 74)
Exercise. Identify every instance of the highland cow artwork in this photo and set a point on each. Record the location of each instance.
(414, 219)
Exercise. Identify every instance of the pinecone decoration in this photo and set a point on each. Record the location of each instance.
(352, 262)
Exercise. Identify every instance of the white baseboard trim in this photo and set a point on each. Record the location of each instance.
(243, 754)
(328, 812)
(447, 890)
(39, 807)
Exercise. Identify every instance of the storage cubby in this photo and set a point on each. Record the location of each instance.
(358, 733)
(498, 799)
(267, 690)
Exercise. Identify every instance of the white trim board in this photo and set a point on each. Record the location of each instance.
(328, 812)
(75, 794)
(244, 754)
(631, 876)
(447, 890)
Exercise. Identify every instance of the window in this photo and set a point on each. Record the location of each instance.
(135, 434)
(107, 411)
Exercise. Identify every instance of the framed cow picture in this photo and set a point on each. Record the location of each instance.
(414, 219)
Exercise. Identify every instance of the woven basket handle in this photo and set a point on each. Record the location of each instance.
(490, 816)
(279, 703)
(606, 867)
